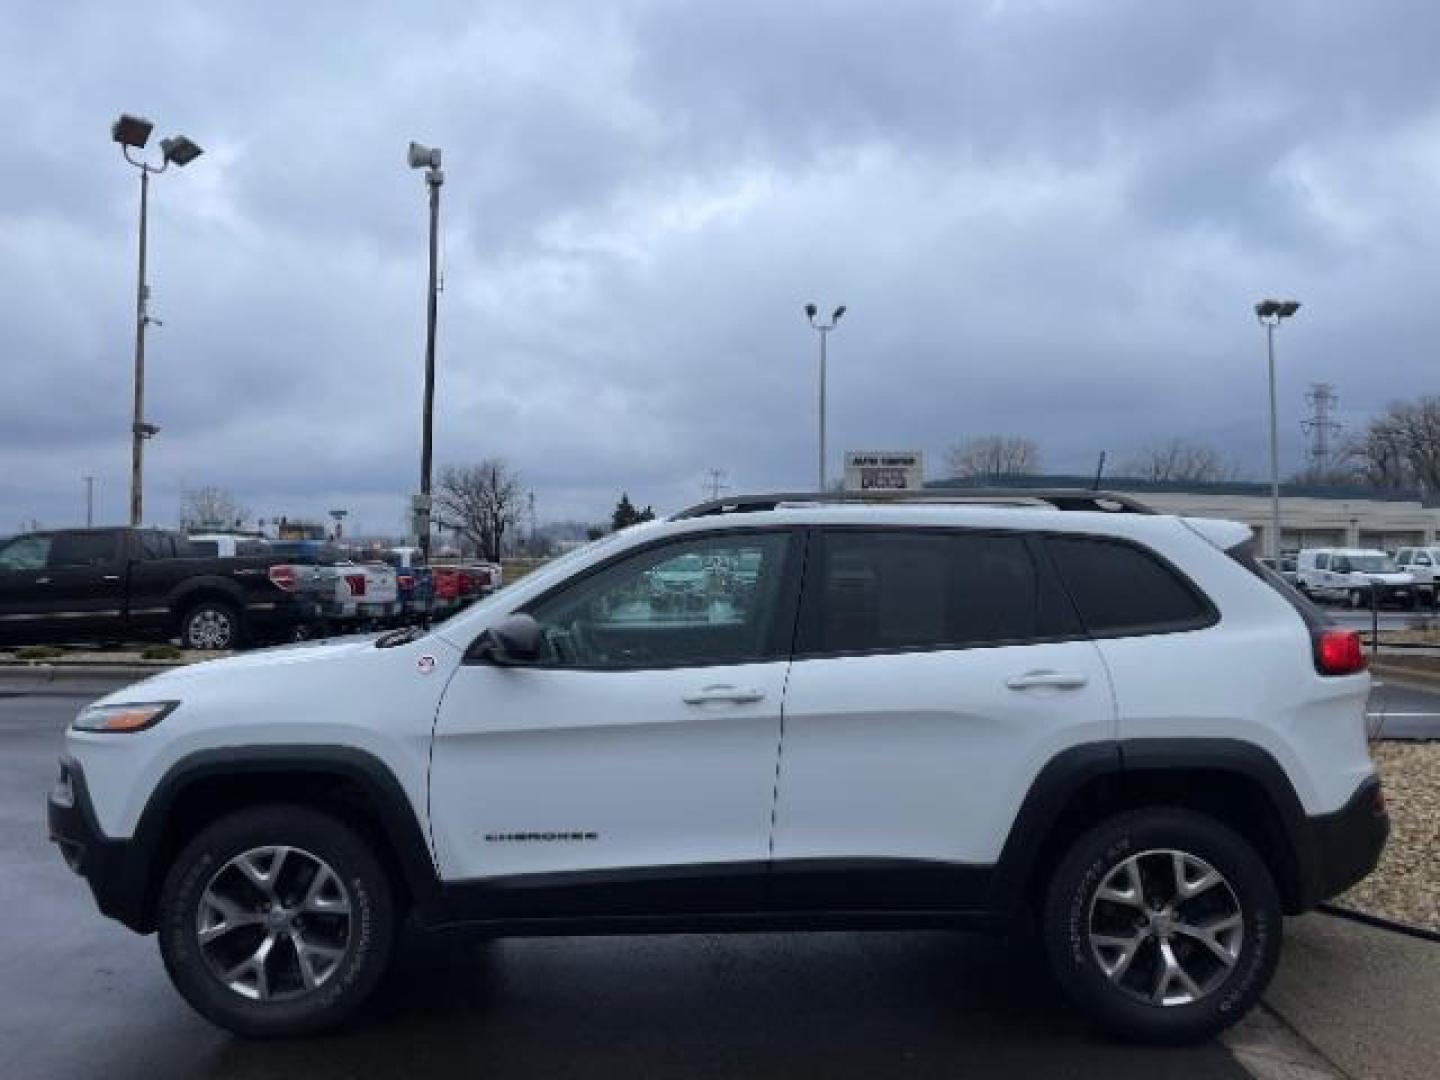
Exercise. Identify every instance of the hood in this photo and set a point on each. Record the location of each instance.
(279, 656)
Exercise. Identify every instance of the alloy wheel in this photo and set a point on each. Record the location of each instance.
(1165, 927)
(210, 629)
(274, 923)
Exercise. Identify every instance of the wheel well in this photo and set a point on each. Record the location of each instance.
(1234, 799)
(208, 799)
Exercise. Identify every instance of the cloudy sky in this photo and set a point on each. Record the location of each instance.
(1047, 218)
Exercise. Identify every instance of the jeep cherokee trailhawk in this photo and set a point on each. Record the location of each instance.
(979, 709)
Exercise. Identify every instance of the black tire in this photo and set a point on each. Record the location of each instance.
(363, 951)
(211, 624)
(1071, 904)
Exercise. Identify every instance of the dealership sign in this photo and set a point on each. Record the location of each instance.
(884, 470)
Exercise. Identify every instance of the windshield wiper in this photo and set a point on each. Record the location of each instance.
(402, 636)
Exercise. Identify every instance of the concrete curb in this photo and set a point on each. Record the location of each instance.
(43, 672)
(1401, 674)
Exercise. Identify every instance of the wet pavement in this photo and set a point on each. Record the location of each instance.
(80, 996)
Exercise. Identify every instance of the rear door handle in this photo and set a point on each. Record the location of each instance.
(112, 577)
(1058, 680)
(42, 581)
(732, 694)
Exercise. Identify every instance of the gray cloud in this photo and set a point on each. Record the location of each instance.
(1046, 217)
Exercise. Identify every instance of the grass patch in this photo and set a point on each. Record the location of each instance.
(160, 652)
(39, 652)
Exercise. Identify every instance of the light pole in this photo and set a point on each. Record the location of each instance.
(89, 501)
(1270, 313)
(823, 329)
(132, 133)
(424, 157)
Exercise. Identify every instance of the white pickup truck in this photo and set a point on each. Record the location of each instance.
(1421, 563)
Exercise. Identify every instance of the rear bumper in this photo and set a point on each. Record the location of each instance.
(1337, 850)
(114, 869)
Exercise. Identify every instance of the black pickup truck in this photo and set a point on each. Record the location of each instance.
(115, 584)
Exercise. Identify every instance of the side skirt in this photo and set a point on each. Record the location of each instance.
(751, 896)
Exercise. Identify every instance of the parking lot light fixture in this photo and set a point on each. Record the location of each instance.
(1270, 313)
(823, 329)
(133, 133)
(428, 158)
(180, 150)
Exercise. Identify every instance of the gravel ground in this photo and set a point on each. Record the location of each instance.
(1406, 886)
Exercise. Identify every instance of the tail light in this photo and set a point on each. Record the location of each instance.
(1338, 652)
(284, 577)
(356, 584)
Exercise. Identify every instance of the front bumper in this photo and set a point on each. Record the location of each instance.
(114, 869)
(1337, 850)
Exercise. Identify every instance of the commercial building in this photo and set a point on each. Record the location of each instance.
(1311, 515)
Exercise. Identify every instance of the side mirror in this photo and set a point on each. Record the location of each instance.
(513, 640)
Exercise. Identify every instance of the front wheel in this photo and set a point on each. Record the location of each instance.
(1162, 925)
(277, 920)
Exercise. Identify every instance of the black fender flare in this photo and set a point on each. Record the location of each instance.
(1104, 768)
(398, 818)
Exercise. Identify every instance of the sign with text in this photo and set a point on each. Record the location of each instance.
(884, 470)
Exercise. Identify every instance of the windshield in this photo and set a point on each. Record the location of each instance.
(556, 567)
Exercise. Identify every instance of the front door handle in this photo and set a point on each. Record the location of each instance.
(42, 581)
(734, 695)
(1058, 680)
(112, 577)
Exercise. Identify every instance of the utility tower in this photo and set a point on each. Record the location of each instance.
(715, 483)
(1320, 426)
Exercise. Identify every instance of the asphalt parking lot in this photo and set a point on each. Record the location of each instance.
(82, 996)
(833, 1004)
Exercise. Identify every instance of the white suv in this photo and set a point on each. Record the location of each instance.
(1055, 709)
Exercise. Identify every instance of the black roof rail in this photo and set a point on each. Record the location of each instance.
(1057, 498)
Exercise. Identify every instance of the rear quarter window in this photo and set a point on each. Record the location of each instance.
(1122, 589)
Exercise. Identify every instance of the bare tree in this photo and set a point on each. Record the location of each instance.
(1401, 447)
(482, 501)
(1178, 459)
(211, 508)
(995, 456)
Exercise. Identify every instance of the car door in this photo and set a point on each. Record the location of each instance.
(639, 751)
(85, 579)
(24, 598)
(936, 672)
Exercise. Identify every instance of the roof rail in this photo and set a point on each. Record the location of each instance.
(1057, 498)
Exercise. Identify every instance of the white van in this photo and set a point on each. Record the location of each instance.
(1349, 574)
(1423, 564)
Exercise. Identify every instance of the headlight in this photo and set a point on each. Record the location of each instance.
(135, 716)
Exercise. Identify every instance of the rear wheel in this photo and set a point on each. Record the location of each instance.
(276, 920)
(1162, 925)
(210, 624)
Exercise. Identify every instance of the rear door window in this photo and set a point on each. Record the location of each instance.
(1122, 589)
(876, 591)
(82, 549)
